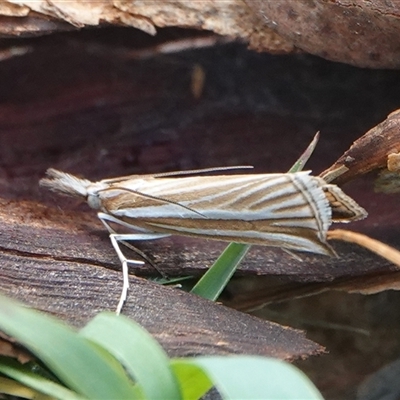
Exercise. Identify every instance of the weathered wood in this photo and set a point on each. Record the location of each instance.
(66, 272)
(365, 32)
(370, 152)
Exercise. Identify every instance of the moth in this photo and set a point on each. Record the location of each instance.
(292, 211)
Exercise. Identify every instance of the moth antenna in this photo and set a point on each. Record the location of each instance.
(201, 171)
(149, 196)
(178, 173)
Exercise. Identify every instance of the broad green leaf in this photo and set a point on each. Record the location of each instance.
(73, 359)
(194, 383)
(253, 377)
(141, 355)
(24, 375)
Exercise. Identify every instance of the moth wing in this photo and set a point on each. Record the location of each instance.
(344, 208)
(283, 210)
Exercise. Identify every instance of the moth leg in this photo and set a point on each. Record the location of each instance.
(115, 239)
(147, 235)
(107, 217)
(292, 254)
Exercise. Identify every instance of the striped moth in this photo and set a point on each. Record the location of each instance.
(288, 210)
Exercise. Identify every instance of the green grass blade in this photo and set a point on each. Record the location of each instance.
(216, 278)
(218, 275)
(24, 375)
(253, 377)
(301, 162)
(142, 356)
(13, 388)
(194, 383)
(73, 359)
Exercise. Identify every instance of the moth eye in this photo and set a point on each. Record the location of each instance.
(94, 201)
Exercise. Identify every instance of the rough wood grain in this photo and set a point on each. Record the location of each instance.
(357, 32)
(230, 18)
(370, 152)
(67, 273)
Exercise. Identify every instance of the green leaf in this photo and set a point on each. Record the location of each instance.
(24, 375)
(253, 377)
(73, 359)
(194, 383)
(141, 355)
(217, 277)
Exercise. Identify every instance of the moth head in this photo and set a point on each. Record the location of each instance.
(71, 185)
(93, 195)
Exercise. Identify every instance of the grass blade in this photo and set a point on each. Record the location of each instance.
(301, 162)
(24, 375)
(13, 388)
(217, 277)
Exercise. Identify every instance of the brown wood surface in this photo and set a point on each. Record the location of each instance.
(61, 270)
(357, 32)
